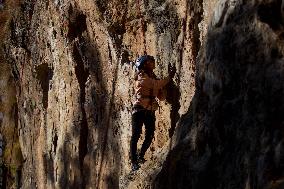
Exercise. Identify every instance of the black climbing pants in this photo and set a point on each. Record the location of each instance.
(138, 118)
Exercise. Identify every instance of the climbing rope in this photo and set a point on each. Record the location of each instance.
(143, 26)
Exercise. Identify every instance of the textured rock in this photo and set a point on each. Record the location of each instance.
(235, 132)
(10, 150)
(220, 127)
(75, 85)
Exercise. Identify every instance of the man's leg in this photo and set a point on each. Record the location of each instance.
(137, 122)
(150, 128)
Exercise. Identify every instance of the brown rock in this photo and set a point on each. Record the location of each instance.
(220, 126)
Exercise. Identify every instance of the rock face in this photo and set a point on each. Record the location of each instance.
(10, 151)
(220, 127)
(74, 79)
(234, 131)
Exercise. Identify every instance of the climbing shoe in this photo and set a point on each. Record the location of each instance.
(135, 166)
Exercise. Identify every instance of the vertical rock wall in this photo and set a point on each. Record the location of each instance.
(74, 78)
(235, 127)
(10, 151)
(221, 126)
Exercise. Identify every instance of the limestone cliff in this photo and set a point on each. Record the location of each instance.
(71, 64)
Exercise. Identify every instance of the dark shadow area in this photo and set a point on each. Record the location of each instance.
(54, 142)
(28, 8)
(48, 165)
(21, 38)
(12, 158)
(90, 65)
(69, 163)
(44, 74)
(184, 124)
(18, 178)
(173, 96)
(77, 23)
(270, 13)
(82, 75)
(102, 5)
(19, 154)
(236, 135)
(48, 158)
(4, 176)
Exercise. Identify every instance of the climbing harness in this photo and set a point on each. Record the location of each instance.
(143, 26)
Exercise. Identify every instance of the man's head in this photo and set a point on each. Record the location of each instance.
(145, 62)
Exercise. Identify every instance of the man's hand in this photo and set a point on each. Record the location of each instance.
(172, 71)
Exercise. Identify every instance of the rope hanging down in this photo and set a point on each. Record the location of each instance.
(143, 26)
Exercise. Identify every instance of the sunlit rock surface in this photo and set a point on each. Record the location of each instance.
(72, 70)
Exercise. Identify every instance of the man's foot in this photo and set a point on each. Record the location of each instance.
(135, 166)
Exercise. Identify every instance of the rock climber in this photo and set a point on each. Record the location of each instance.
(147, 89)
